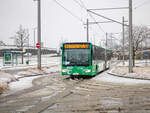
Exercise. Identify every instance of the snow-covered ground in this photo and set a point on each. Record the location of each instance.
(49, 65)
(140, 71)
(45, 60)
(52, 64)
(120, 74)
(21, 84)
(120, 80)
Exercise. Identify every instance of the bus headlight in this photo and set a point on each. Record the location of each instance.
(87, 70)
(65, 70)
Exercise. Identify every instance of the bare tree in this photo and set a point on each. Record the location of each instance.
(21, 37)
(140, 34)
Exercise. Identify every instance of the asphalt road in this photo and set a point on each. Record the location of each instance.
(56, 94)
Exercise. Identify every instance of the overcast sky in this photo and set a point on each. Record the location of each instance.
(58, 24)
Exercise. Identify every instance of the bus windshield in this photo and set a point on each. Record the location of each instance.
(76, 57)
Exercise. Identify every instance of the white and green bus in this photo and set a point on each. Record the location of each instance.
(84, 59)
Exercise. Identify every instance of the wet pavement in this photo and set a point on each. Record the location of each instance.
(92, 96)
(54, 93)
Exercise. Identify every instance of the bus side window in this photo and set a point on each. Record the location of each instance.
(93, 53)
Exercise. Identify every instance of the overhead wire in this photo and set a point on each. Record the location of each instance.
(144, 3)
(84, 7)
(136, 2)
(83, 4)
(79, 4)
(92, 17)
(67, 10)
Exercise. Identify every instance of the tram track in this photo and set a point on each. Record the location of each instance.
(48, 91)
(70, 85)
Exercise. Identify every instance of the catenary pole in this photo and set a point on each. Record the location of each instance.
(39, 34)
(87, 27)
(123, 39)
(106, 51)
(130, 37)
(34, 36)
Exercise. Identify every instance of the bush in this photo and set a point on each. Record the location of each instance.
(3, 87)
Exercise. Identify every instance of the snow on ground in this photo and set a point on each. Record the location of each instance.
(49, 65)
(120, 80)
(120, 74)
(52, 64)
(23, 83)
(141, 63)
(45, 60)
(140, 71)
(52, 69)
(5, 78)
(26, 82)
(29, 72)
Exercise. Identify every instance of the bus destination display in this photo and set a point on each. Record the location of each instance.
(76, 46)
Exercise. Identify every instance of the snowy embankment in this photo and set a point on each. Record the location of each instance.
(5, 79)
(107, 78)
(23, 79)
(140, 71)
(18, 77)
(120, 74)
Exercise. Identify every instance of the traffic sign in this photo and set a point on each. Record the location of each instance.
(37, 45)
(146, 53)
